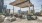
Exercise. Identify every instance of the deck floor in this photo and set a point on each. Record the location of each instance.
(23, 21)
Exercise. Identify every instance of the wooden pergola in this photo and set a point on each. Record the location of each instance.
(22, 4)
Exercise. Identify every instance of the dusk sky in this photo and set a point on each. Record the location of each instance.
(37, 5)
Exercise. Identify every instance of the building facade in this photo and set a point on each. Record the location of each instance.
(4, 9)
(1, 5)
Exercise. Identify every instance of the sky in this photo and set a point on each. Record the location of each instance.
(37, 5)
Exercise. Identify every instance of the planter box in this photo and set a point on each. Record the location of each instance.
(24, 16)
(31, 17)
(2, 17)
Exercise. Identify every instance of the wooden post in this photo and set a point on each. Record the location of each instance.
(41, 10)
(33, 9)
(29, 10)
(41, 7)
(20, 10)
(13, 10)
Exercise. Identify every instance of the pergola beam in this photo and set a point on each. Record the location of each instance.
(23, 4)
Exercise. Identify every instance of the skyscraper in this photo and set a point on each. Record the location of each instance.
(4, 9)
(1, 5)
(19, 11)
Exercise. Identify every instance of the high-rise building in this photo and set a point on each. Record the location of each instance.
(1, 5)
(19, 11)
(4, 9)
(22, 12)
